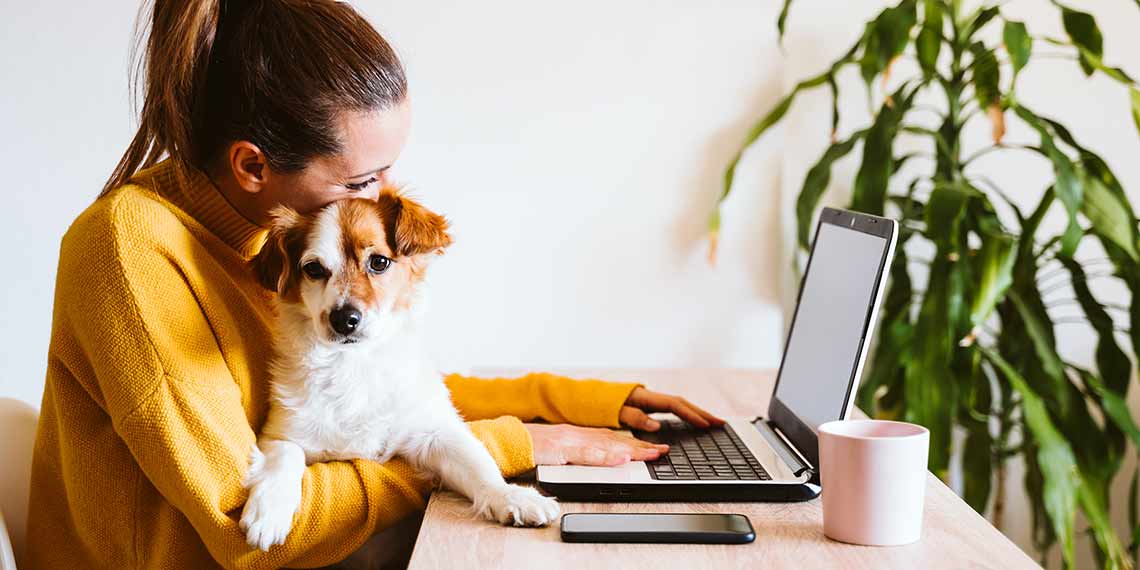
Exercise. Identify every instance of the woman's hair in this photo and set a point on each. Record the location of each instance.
(277, 73)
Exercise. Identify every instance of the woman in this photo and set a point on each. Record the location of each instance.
(156, 382)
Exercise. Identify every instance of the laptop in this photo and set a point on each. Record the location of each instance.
(775, 456)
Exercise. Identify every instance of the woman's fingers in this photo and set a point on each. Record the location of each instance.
(712, 419)
(684, 409)
(694, 415)
(688, 414)
(637, 419)
(562, 444)
(604, 447)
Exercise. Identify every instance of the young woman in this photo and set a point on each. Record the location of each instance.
(157, 373)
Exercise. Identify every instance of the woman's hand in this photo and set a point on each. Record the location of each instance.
(641, 400)
(563, 443)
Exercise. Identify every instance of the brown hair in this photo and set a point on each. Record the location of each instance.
(273, 72)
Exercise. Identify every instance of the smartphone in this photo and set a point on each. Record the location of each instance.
(689, 528)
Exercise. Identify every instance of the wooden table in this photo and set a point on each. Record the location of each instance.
(788, 535)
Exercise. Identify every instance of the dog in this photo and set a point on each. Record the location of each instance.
(349, 380)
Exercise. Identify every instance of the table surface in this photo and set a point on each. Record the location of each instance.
(787, 534)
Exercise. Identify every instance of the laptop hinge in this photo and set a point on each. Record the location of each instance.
(783, 447)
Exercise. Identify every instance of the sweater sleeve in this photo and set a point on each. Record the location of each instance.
(540, 395)
(160, 375)
(192, 442)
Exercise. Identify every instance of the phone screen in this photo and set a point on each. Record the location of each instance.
(655, 523)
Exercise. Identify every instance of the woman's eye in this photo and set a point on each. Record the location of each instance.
(379, 264)
(358, 186)
(314, 270)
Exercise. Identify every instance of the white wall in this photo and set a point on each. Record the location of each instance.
(576, 146)
(577, 149)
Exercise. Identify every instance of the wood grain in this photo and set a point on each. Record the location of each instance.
(788, 535)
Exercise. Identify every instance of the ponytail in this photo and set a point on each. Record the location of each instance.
(273, 72)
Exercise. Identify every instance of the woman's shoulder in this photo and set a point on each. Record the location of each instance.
(131, 215)
(129, 227)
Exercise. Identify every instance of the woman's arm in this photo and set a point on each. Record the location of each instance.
(539, 395)
(192, 441)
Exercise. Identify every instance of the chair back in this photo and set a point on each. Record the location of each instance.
(17, 435)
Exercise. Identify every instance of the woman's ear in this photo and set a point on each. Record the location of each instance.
(273, 265)
(248, 165)
(417, 230)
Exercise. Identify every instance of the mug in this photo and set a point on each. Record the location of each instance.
(873, 476)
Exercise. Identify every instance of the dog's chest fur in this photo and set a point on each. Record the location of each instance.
(354, 402)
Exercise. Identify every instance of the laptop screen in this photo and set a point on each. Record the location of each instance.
(825, 342)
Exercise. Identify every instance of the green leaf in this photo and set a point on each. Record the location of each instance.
(944, 211)
(1111, 362)
(1043, 344)
(834, 88)
(1055, 458)
(1135, 97)
(894, 338)
(754, 133)
(1109, 214)
(1068, 185)
(870, 190)
(1105, 203)
(1095, 508)
(996, 275)
(782, 20)
(885, 38)
(978, 452)
(1115, 407)
(1133, 514)
(929, 383)
(986, 75)
(979, 19)
(1096, 62)
(762, 126)
(1082, 29)
(1042, 529)
(815, 183)
(1018, 44)
(929, 41)
(1030, 225)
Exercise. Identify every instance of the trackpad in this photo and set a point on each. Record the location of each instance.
(632, 472)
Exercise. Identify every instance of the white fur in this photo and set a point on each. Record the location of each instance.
(374, 399)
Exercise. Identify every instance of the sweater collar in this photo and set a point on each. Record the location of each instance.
(203, 201)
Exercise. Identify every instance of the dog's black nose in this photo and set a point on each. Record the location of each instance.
(345, 319)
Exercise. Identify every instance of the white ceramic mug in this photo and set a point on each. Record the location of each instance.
(873, 475)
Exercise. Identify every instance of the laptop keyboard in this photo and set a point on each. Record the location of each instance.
(702, 454)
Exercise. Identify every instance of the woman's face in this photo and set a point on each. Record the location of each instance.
(372, 141)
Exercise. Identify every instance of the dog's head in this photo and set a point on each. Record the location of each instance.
(354, 268)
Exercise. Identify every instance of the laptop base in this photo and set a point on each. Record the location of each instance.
(682, 492)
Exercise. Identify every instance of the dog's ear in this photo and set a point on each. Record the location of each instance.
(412, 229)
(272, 265)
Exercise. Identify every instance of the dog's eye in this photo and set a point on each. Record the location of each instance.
(314, 270)
(379, 264)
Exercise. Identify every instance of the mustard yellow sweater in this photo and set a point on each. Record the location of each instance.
(157, 386)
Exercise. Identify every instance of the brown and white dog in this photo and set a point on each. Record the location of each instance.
(350, 379)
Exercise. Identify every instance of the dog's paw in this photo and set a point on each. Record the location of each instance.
(273, 500)
(268, 514)
(520, 506)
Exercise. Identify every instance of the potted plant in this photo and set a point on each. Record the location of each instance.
(976, 349)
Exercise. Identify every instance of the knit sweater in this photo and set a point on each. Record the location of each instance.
(157, 385)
